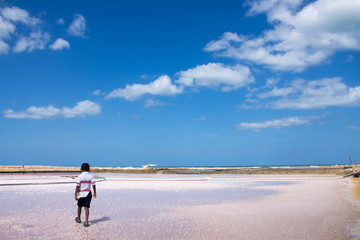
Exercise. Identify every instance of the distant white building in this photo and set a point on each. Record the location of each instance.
(148, 166)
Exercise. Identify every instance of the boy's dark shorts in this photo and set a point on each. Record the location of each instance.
(85, 202)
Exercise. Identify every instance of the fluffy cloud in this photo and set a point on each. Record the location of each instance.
(161, 87)
(60, 21)
(216, 75)
(77, 27)
(81, 109)
(212, 75)
(15, 14)
(60, 44)
(36, 40)
(277, 123)
(353, 127)
(224, 42)
(301, 94)
(261, 6)
(98, 92)
(149, 103)
(300, 37)
(6, 29)
(10, 17)
(4, 47)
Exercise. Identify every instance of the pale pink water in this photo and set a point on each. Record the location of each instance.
(180, 207)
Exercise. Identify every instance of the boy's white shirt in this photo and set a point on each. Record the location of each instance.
(85, 180)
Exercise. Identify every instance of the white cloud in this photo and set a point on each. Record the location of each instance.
(60, 21)
(36, 40)
(4, 47)
(149, 103)
(350, 58)
(272, 81)
(216, 75)
(353, 127)
(81, 109)
(161, 87)
(261, 6)
(10, 17)
(199, 119)
(33, 113)
(277, 92)
(224, 42)
(136, 117)
(301, 94)
(212, 75)
(98, 92)
(300, 38)
(77, 27)
(327, 92)
(60, 44)
(6, 28)
(15, 14)
(277, 123)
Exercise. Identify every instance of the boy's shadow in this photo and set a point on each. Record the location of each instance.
(103, 219)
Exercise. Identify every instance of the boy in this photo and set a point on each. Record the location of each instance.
(83, 192)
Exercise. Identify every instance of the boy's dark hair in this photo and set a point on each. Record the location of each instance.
(85, 167)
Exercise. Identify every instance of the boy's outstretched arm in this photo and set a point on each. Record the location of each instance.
(76, 192)
(94, 188)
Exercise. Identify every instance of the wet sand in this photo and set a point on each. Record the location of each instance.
(181, 207)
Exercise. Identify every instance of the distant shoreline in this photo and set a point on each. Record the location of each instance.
(273, 170)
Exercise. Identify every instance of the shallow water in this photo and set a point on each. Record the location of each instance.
(141, 206)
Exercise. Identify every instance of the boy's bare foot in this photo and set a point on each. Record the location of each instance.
(86, 225)
(77, 220)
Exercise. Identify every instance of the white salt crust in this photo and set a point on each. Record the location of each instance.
(180, 207)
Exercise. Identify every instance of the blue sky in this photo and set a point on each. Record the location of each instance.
(179, 83)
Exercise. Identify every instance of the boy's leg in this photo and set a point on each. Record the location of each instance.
(86, 215)
(79, 213)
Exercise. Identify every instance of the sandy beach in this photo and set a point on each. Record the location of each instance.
(133, 206)
(146, 169)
